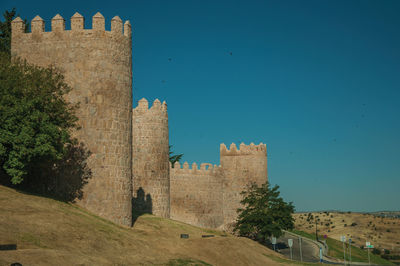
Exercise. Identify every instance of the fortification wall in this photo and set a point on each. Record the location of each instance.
(240, 167)
(196, 195)
(150, 159)
(97, 64)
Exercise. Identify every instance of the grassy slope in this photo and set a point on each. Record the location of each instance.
(49, 232)
(336, 250)
(381, 232)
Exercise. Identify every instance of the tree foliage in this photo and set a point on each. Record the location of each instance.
(173, 158)
(5, 30)
(35, 119)
(264, 213)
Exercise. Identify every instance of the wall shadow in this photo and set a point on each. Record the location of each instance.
(62, 180)
(141, 204)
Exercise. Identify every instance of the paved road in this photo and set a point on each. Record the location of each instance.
(310, 250)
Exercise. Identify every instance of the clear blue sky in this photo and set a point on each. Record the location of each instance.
(317, 81)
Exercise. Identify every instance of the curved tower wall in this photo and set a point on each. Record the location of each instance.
(150, 159)
(240, 168)
(97, 64)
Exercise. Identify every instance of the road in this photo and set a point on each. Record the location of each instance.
(310, 250)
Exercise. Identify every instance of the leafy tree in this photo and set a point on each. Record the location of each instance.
(265, 213)
(174, 158)
(35, 119)
(5, 30)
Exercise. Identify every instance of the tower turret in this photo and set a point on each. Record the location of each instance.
(150, 159)
(240, 167)
(97, 64)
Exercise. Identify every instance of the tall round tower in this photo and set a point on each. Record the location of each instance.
(97, 64)
(240, 167)
(150, 159)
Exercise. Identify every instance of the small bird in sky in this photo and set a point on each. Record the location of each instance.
(230, 53)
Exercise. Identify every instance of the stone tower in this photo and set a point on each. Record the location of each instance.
(150, 159)
(97, 64)
(240, 167)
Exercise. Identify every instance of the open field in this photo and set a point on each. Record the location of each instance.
(49, 232)
(382, 232)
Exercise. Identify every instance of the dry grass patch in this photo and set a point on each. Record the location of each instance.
(49, 232)
(383, 233)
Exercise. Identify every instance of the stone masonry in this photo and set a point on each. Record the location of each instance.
(248, 164)
(129, 147)
(97, 65)
(210, 197)
(150, 158)
(196, 195)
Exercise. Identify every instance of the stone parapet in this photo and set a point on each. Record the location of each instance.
(252, 149)
(77, 25)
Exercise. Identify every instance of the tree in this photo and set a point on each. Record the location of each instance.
(5, 30)
(174, 158)
(264, 214)
(35, 119)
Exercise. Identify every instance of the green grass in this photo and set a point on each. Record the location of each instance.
(287, 261)
(336, 250)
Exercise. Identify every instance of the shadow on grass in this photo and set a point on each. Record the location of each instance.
(61, 180)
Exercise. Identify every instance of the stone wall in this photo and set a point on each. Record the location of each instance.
(130, 148)
(196, 195)
(150, 159)
(97, 64)
(240, 167)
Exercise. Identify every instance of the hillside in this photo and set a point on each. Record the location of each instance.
(49, 232)
(382, 232)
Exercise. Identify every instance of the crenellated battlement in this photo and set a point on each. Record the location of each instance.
(205, 169)
(157, 107)
(77, 25)
(252, 149)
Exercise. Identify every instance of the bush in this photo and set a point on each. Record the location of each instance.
(386, 251)
(390, 257)
(353, 224)
(376, 251)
